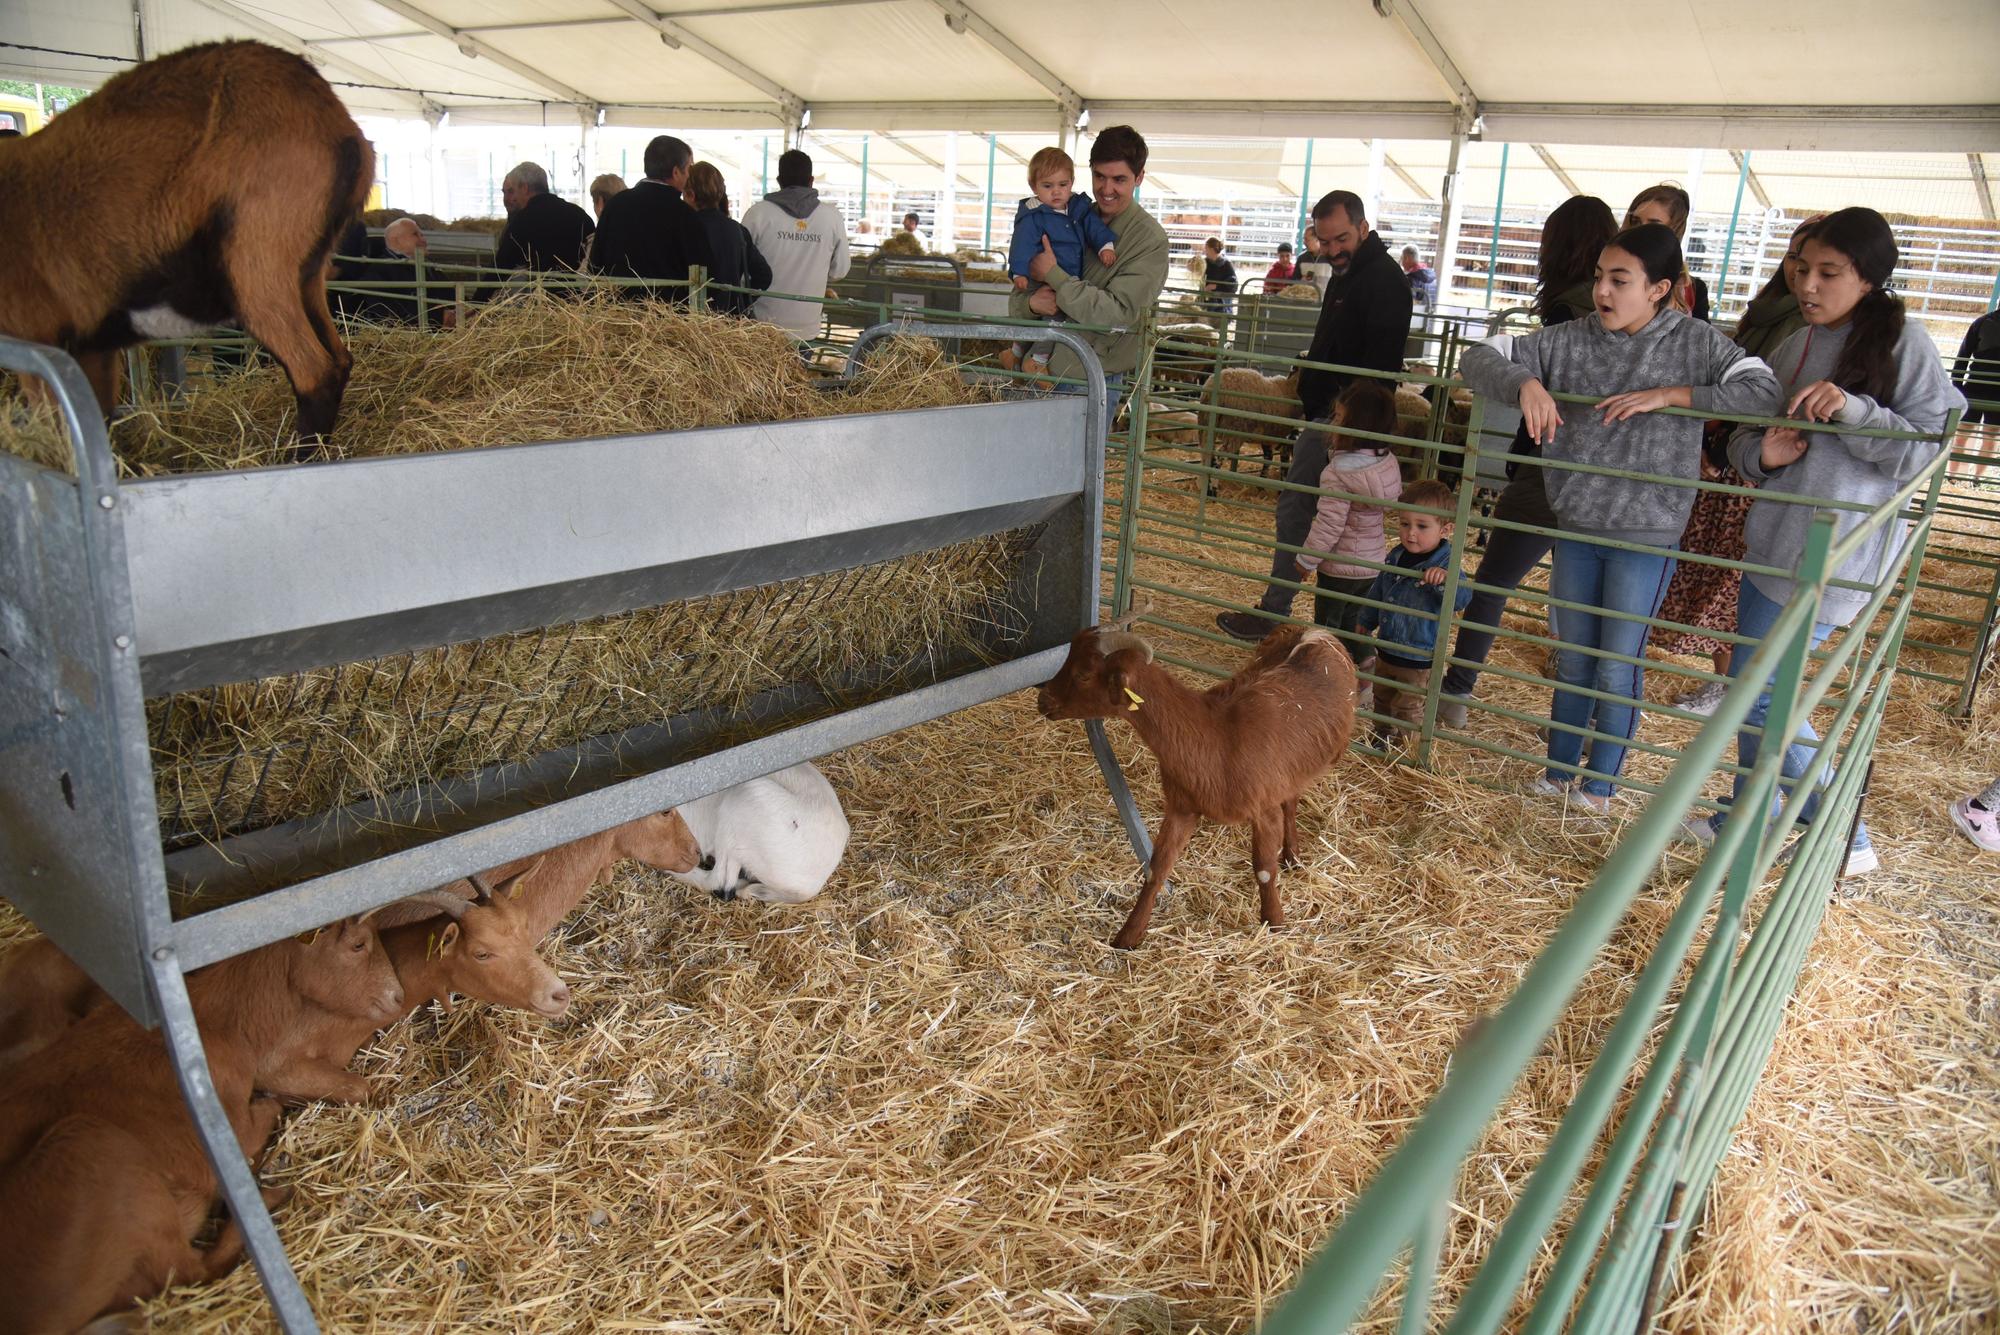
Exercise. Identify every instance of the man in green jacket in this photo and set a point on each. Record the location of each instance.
(1118, 297)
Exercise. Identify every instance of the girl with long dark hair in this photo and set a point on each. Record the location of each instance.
(1704, 596)
(1572, 238)
(1635, 354)
(1857, 364)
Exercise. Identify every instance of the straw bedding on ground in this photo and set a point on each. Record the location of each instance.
(933, 1099)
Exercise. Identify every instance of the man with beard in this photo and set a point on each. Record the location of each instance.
(1364, 321)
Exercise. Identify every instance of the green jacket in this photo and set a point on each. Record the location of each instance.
(1767, 322)
(1121, 295)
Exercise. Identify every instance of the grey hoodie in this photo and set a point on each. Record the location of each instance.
(1840, 467)
(804, 239)
(1581, 356)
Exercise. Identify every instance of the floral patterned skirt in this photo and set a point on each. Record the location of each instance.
(1705, 595)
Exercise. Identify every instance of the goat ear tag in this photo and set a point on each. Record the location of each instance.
(1136, 698)
(431, 950)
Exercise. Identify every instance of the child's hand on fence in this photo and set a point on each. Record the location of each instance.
(1821, 401)
(1538, 410)
(1782, 445)
(1434, 576)
(1619, 407)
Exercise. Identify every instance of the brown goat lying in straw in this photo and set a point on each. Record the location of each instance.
(1240, 752)
(103, 1181)
(207, 184)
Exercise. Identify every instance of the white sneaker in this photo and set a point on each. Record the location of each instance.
(1861, 861)
(1541, 787)
(1588, 803)
(1696, 830)
(1704, 700)
(1451, 711)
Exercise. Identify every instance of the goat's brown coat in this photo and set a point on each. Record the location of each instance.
(103, 1181)
(1240, 752)
(214, 182)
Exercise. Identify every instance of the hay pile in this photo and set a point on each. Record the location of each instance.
(255, 753)
(532, 368)
(1299, 292)
(901, 243)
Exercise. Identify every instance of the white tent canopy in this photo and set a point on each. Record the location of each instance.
(1853, 75)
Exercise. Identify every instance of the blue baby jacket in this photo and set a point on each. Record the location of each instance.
(1070, 234)
(1405, 630)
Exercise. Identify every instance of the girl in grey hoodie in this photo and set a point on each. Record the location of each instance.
(1635, 354)
(1858, 363)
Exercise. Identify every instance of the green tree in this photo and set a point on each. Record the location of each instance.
(52, 93)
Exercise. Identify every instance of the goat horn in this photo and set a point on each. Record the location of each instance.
(455, 905)
(1116, 641)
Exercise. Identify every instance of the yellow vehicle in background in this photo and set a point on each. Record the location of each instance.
(19, 113)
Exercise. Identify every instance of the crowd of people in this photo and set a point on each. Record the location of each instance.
(1607, 488)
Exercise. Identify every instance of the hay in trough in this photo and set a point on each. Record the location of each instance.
(533, 368)
(901, 243)
(1298, 292)
(254, 753)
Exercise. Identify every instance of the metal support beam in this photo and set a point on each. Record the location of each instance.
(278, 37)
(1405, 177)
(960, 18)
(927, 159)
(1980, 183)
(1549, 161)
(1404, 14)
(470, 45)
(790, 104)
(1756, 186)
(1453, 207)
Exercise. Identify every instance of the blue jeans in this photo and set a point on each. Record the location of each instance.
(1755, 615)
(1621, 581)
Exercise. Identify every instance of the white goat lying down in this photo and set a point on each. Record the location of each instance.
(775, 839)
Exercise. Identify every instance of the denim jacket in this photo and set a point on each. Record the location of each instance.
(1408, 629)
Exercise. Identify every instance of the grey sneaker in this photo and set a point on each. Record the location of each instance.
(1704, 700)
(1451, 711)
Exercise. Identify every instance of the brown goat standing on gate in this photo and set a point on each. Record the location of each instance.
(207, 184)
(1240, 752)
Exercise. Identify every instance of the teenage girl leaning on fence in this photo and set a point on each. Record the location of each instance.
(1566, 268)
(1633, 354)
(1704, 596)
(1858, 363)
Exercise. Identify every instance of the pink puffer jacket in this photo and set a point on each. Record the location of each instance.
(1353, 528)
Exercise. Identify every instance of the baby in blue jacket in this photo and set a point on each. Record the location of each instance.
(1070, 223)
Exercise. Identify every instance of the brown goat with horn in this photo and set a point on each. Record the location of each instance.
(1240, 752)
(207, 184)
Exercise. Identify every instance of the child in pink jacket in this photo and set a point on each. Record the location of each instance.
(1352, 525)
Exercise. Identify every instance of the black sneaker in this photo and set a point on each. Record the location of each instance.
(1245, 626)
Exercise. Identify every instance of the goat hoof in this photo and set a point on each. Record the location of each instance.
(1288, 860)
(1128, 940)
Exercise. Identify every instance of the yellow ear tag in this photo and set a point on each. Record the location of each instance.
(431, 950)
(1137, 700)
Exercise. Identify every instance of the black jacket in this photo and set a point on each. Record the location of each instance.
(1364, 321)
(364, 259)
(649, 232)
(544, 235)
(738, 262)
